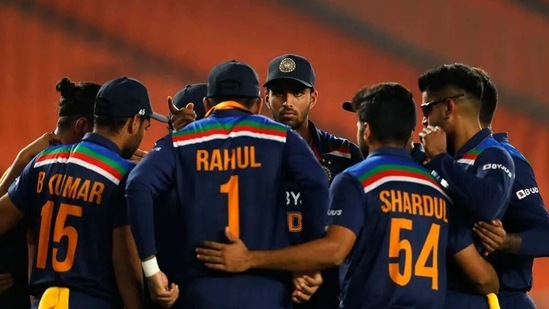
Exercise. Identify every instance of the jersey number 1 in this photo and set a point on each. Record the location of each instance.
(60, 230)
(430, 247)
(231, 188)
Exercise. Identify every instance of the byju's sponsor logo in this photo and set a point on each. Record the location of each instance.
(493, 166)
(525, 192)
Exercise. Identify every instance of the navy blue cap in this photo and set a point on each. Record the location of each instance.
(193, 93)
(291, 66)
(233, 79)
(124, 97)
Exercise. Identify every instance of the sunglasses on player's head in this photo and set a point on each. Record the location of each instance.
(427, 107)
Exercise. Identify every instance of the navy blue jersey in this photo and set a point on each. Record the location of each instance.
(399, 213)
(228, 170)
(527, 216)
(479, 180)
(335, 155)
(73, 198)
(479, 177)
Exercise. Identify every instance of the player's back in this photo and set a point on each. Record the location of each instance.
(74, 212)
(230, 174)
(398, 260)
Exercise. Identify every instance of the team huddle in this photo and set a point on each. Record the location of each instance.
(232, 209)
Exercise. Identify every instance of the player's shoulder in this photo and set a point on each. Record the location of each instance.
(99, 155)
(339, 146)
(380, 168)
(53, 154)
(516, 155)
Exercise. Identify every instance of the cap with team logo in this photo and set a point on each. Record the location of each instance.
(291, 66)
(124, 97)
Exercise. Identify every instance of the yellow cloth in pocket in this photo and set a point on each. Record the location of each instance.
(493, 302)
(55, 298)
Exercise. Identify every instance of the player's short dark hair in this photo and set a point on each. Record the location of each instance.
(76, 100)
(389, 109)
(247, 102)
(114, 124)
(451, 75)
(489, 102)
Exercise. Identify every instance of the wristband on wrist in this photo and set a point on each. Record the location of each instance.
(150, 267)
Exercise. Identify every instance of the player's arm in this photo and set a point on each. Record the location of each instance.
(24, 157)
(484, 189)
(301, 165)
(530, 210)
(151, 176)
(19, 198)
(346, 203)
(127, 268)
(462, 248)
(478, 270)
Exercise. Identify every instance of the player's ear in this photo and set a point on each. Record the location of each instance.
(256, 107)
(267, 99)
(133, 124)
(450, 107)
(314, 98)
(82, 126)
(367, 132)
(207, 104)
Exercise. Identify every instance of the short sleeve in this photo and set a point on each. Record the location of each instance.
(347, 203)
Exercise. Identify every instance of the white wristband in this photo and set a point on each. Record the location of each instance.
(150, 267)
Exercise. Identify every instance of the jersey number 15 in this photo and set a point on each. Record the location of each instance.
(60, 230)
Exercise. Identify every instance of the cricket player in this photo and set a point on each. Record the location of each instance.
(72, 197)
(478, 171)
(228, 169)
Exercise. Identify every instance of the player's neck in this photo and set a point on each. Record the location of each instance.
(117, 139)
(374, 145)
(467, 129)
(305, 133)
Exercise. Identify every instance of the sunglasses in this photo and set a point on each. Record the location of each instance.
(427, 107)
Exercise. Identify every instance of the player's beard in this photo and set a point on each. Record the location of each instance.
(299, 121)
(363, 146)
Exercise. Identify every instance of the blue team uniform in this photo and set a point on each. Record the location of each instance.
(527, 216)
(399, 213)
(228, 170)
(479, 179)
(73, 197)
(335, 155)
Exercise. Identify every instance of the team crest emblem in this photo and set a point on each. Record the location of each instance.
(287, 65)
(328, 172)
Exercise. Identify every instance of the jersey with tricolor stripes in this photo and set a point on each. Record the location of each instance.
(399, 213)
(228, 170)
(73, 196)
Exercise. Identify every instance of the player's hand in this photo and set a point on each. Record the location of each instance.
(162, 292)
(434, 141)
(180, 118)
(231, 257)
(34, 148)
(491, 235)
(138, 155)
(305, 286)
(6, 282)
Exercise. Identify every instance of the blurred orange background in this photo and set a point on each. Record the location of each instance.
(351, 43)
